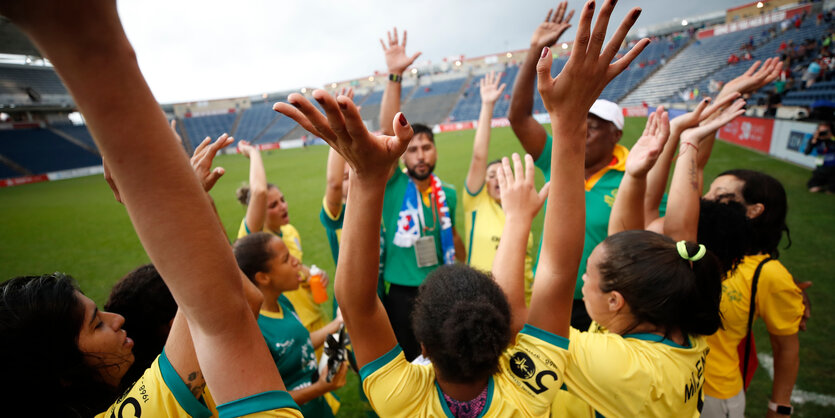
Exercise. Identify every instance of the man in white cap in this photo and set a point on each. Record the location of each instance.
(605, 159)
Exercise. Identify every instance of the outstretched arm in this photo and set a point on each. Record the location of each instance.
(568, 97)
(682, 220)
(752, 80)
(530, 133)
(88, 47)
(371, 158)
(520, 203)
(628, 210)
(397, 62)
(256, 208)
(490, 92)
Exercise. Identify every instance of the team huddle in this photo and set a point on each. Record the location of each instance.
(637, 302)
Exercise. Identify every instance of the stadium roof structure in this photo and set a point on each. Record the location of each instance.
(13, 41)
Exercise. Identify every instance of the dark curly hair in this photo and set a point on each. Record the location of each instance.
(253, 253)
(724, 229)
(661, 287)
(766, 229)
(148, 307)
(43, 368)
(462, 318)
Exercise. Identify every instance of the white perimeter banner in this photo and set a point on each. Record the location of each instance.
(789, 139)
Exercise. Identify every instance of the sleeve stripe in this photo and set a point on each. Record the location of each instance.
(377, 364)
(179, 389)
(260, 402)
(546, 336)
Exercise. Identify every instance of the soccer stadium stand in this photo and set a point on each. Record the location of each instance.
(254, 120)
(767, 48)
(42, 151)
(78, 132)
(29, 84)
(689, 66)
(198, 128)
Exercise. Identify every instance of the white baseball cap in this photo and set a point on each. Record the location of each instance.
(608, 111)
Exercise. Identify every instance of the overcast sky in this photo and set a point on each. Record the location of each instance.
(191, 50)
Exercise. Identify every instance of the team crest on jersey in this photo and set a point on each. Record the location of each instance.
(522, 366)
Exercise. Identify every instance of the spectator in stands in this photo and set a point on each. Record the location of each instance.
(484, 217)
(822, 145)
(604, 157)
(419, 211)
(746, 56)
(811, 74)
(56, 343)
(267, 211)
(733, 59)
(267, 262)
(782, 47)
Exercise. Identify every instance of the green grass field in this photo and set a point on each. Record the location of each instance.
(75, 226)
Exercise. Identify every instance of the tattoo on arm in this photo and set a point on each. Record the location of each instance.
(694, 178)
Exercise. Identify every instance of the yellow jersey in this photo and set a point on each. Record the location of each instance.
(301, 298)
(779, 302)
(159, 392)
(635, 375)
(530, 374)
(483, 230)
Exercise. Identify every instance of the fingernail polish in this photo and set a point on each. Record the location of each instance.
(636, 13)
(319, 99)
(403, 121)
(545, 51)
(591, 5)
(343, 105)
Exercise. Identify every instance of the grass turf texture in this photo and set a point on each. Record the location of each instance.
(75, 226)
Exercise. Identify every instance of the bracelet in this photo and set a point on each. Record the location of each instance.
(683, 147)
(395, 77)
(780, 409)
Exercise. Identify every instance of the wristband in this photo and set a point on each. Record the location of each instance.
(395, 77)
(780, 409)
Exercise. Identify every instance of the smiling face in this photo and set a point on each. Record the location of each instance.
(105, 344)
(420, 157)
(277, 213)
(283, 270)
(492, 183)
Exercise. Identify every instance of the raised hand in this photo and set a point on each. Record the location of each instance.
(396, 59)
(588, 71)
(555, 24)
(370, 156)
(246, 148)
(754, 79)
(204, 155)
(703, 111)
(490, 89)
(519, 195)
(694, 136)
(645, 152)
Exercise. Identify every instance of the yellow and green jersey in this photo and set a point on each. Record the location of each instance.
(779, 302)
(635, 375)
(301, 298)
(483, 228)
(530, 374)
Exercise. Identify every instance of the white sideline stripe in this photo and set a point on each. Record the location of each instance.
(798, 396)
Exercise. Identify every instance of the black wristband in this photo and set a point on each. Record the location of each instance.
(395, 77)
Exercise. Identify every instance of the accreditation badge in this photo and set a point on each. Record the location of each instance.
(426, 254)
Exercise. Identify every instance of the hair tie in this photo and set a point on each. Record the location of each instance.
(682, 251)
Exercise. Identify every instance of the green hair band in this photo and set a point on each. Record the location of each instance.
(682, 251)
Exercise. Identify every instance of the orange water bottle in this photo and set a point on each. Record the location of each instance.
(317, 288)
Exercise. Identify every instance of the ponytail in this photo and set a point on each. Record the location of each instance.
(673, 286)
